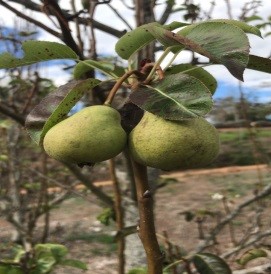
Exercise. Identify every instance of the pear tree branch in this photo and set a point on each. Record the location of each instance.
(146, 229)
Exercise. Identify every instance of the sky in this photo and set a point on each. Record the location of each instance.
(256, 85)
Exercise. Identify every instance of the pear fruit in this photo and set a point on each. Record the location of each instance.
(91, 135)
(171, 145)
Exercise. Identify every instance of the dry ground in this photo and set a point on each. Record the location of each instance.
(74, 223)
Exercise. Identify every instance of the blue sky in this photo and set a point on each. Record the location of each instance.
(257, 86)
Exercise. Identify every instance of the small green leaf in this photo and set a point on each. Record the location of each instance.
(176, 97)
(105, 67)
(204, 76)
(207, 263)
(253, 18)
(134, 40)
(259, 63)
(44, 264)
(54, 107)
(37, 51)
(74, 263)
(250, 255)
(106, 216)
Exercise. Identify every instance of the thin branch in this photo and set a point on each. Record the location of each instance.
(30, 19)
(256, 239)
(88, 183)
(105, 28)
(266, 191)
(167, 12)
(20, 119)
(120, 17)
(119, 216)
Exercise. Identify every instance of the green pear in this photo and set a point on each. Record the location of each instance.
(171, 145)
(91, 135)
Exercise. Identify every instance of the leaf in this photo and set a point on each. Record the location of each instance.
(54, 107)
(253, 18)
(74, 263)
(230, 49)
(44, 264)
(105, 67)
(9, 269)
(259, 63)
(176, 97)
(242, 25)
(37, 51)
(207, 263)
(204, 76)
(134, 40)
(251, 255)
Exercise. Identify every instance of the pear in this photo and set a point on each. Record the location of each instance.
(171, 145)
(91, 135)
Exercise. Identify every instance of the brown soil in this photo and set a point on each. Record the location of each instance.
(75, 223)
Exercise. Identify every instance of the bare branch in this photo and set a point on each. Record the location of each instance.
(167, 12)
(84, 21)
(30, 19)
(266, 191)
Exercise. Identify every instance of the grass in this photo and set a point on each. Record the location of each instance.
(242, 134)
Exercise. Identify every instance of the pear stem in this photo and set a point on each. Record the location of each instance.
(146, 229)
(117, 85)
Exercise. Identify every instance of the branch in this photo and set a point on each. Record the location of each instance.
(30, 19)
(20, 119)
(146, 220)
(84, 21)
(167, 12)
(266, 191)
(95, 190)
(249, 243)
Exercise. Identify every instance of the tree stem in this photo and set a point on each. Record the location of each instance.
(119, 216)
(147, 232)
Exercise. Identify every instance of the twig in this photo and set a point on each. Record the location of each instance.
(119, 216)
(265, 192)
(30, 19)
(249, 243)
(120, 16)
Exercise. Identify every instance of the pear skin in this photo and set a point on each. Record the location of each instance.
(91, 135)
(172, 145)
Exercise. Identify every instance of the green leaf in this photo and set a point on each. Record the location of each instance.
(37, 51)
(242, 25)
(259, 63)
(44, 264)
(204, 76)
(74, 263)
(105, 67)
(134, 40)
(230, 49)
(250, 255)
(207, 263)
(57, 250)
(9, 269)
(253, 18)
(54, 107)
(176, 97)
